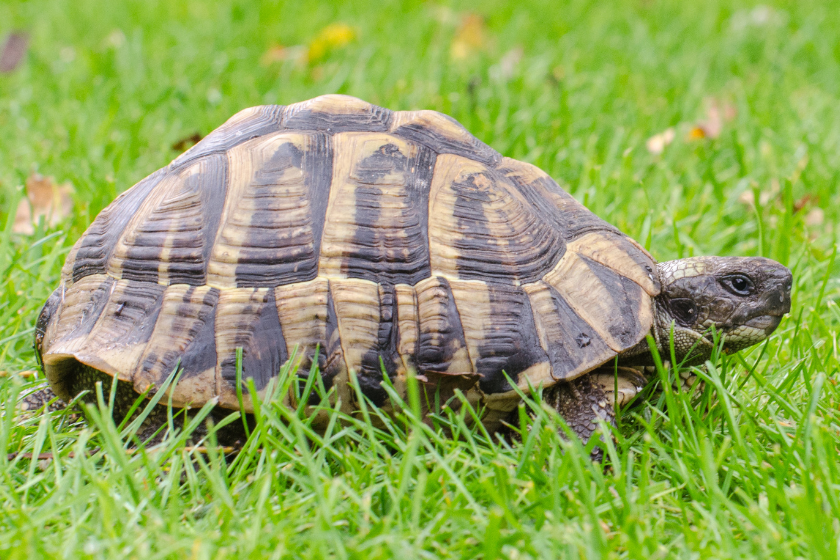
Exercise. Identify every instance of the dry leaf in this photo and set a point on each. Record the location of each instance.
(759, 16)
(656, 143)
(748, 198)
(470, 37)
(187, 142)
(13, 51)
(507, 65)
(804, 201)
(279, 53)
(815, 217)
(444, 15)
(44, 198)
(115, 39)
(333, 36)
(712, 126)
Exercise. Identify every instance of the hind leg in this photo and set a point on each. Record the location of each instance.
(37, 399)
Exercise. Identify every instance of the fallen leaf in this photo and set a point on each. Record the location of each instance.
(748, 197)
(759, 16)
(696, 133)
(470, 37)
(279, 53)
(187, 142)
(804, 201)
(507, 65)
(115, 39)
(444, 15)
(656, 143)
(815, 217)
(333, 36)
(712, 125)
(14, 48)
(44, 198)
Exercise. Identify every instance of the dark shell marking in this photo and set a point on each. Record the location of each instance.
(376, 240)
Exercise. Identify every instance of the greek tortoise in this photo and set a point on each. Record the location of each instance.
(390, 241)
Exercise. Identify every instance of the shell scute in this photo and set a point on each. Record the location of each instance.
(336, 113)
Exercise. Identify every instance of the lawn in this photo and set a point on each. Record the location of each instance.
(698, 128)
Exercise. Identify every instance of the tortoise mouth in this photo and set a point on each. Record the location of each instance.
(768, 323)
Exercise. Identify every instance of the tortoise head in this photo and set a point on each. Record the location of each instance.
(743, 298)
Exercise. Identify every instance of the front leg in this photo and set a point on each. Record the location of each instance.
(583, 401)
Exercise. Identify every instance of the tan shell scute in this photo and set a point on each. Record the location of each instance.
(383, 241)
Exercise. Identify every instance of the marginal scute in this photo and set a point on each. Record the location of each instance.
(308, 319)
(247, 318)
(482, 228)
(376, 222)
(184, 324)
(499, 331)
(83, 304)
(407, 324)
(366, 327)
(48, 318)
(598, 295)
(441, 346)
(572, 345)
(119, 338)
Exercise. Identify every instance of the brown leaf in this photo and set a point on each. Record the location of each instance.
(748, 197)
(805, 201)
(44, 198)
(13, 51)
(815, 217)
(279, 53)
(470, 37)
(332, 37)
(187, 142)
(507, 65)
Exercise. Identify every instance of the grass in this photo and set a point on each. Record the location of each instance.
(749, 468)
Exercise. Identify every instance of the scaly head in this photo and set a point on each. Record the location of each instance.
(743, 298)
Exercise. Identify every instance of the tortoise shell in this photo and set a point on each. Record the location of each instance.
(365, 233)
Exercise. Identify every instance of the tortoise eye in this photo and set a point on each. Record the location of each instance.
(738, 284)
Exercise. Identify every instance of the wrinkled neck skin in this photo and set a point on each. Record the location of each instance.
(685, 342)
(742, 299)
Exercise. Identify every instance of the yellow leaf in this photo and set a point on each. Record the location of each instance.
(696, 133)
(44, 198)
(470, 37)
(333, 36)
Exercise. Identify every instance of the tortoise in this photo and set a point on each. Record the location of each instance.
(376, 243)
